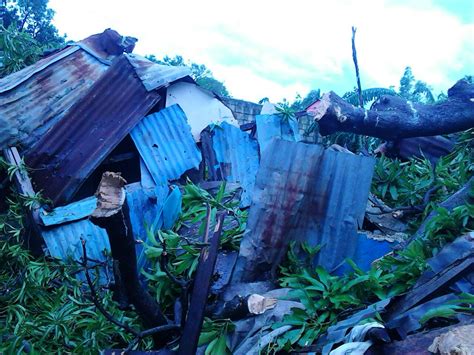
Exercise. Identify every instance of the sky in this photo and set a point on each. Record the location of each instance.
(278, 49)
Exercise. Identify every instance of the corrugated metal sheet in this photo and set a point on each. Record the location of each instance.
(69, 213)
(17, 78)
(274, 126)
(32, 100)
(35, 98)
(231, 155)
(144, 205)
(64, 241)
(145, 177)
(155, 76)
(68, 153)
(306, 193)
(166, 145)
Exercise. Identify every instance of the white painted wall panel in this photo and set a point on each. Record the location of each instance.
(200, 107)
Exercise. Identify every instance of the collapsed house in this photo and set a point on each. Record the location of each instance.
(94, 107)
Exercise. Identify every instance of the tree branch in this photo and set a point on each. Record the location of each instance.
(95, 300)
(138, 335)
(354, 58)
(392, 117)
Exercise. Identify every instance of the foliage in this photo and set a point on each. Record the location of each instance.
(368, 95)
(414, 90)
(17, 50)
(214, 333)
(44, 307)
(328, 298)
(214, 85)
(195, 200)
(353, 142)
(463, 304)
(182, 252)
(199, 72)
(286, 112)
(300, 103)
(33, 17)
(400, 183)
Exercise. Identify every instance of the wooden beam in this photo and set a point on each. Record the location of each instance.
(202, 284)
(34, 241)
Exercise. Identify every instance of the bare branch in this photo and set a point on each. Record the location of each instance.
(95, 299)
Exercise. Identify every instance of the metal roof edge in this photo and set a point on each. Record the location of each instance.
(67, 51)
(141, 64)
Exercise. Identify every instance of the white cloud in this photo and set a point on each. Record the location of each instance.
(278, 48)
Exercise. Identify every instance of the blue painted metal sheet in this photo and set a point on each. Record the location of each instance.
(69, 213)
(145, 177)
(166, 145)
(149, 211)
(144, 205)
(274, 126)
(339, 196)
(306, 193)
(367, 250)
(64, 242)
(231, 155)
(171, 210)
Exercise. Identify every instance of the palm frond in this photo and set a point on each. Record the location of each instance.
(368, 95)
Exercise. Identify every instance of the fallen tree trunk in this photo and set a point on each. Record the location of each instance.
(392, 117)
(112, 215)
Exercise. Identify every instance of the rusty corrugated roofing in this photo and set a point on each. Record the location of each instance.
(35, 98)
(68, 153)
(155, 76)
(307, 194)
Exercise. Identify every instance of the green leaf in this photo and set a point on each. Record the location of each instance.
(445, 311)
(393, 192)
(354, 282)
(206, 337)
(210, 348)
(323, 276)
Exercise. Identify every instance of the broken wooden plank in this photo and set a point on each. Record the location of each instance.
(202, 284)
(25, 188)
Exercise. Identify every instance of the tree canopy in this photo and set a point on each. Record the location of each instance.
(34, 18)
(199, 72)
(414, 90)
(26, 32)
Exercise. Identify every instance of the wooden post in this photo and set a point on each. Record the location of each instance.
(202, 284)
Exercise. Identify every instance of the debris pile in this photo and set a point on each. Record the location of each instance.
(220, 238)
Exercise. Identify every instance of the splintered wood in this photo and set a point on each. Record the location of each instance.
(110, 195)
